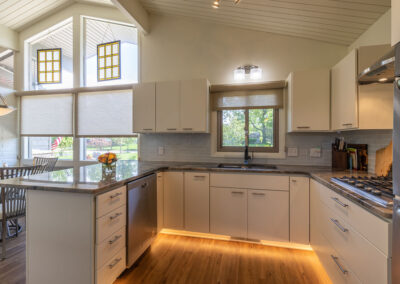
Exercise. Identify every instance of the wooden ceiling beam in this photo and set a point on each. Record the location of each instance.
(134, 10)
(8, 38)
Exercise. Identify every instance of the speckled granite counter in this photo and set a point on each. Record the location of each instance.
(89, 179)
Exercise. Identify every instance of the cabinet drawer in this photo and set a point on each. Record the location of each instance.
(374, 229)
(109, 201)
(251, 181)
(336, 268)
(370, 264)
(112, 269)
(109, 247)
(110, 223)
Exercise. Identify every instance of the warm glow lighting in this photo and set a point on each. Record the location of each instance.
(239, 74)
(215, 4)
(6, 110)
(382, 79)
(255, 73)
(237, 2)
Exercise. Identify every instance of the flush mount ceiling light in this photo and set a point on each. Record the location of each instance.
(216, 3)
(247, 71)
(4, 108)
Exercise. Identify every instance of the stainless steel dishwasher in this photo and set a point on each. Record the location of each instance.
(142, 216)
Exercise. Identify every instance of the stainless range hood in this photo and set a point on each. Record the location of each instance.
(380, 72)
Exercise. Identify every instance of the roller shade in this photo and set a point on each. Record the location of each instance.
(248, 99)
(105, 114)
(47, 115)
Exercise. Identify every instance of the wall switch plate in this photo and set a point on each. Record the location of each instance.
(160, 151)
(315, 152)
(292, 152)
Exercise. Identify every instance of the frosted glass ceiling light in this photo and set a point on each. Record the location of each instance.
(255, 73)
(4, 108)
(215, 4)
(239, 74)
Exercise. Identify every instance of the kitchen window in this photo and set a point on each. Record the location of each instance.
(126, 148)
(259, 126)
(49, 147)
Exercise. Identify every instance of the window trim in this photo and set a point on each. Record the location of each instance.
(275, 149)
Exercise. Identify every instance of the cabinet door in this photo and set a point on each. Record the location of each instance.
(195, 105)
(228, 211)
(197, 202)
(160, 201)
(173, 200)
(168, 106)
(344, 106)
(268, 215)
(144, 108)
(309, 101)
(395, 24)
(300, 210)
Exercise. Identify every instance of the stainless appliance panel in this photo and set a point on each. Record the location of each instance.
(142, 216)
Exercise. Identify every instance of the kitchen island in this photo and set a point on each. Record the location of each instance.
(65, 211)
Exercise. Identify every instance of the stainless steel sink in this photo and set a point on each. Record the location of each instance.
(247, 166)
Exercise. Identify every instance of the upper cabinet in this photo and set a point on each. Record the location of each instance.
(308, 100)
(395, 10)
(174, 106)
(344, 107)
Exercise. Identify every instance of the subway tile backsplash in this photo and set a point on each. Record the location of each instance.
(197, 147)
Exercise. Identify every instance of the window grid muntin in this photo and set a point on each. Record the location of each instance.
(52, 61)
(104, 68)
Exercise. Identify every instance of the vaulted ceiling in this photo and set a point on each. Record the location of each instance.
(335, 21)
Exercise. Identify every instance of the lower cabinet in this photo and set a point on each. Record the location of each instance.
(173, 200)
(268, 215)
(300, 210)
(228, 211)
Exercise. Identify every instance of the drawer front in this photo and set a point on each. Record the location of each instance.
(370, 264)
(110, 223)
(110, 247)
(336, 268)
(109, 201)
(374, 229)
(112, 269)
(251, 181)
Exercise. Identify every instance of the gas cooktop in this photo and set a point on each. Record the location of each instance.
(376, 189)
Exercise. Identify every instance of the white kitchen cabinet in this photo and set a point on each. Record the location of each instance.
(173, 200)
(168, 106)
(197, 202)
(268, 215)
(160, 201)
(309, 100)
(228, 211)
(344, 95)
(144, 108)
(299, 210)
(395, 24)
(194, 105)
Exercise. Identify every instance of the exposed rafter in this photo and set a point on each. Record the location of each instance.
(135, 11)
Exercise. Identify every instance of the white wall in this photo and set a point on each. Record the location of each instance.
(378, 33)
(185, 48)
(8, 132)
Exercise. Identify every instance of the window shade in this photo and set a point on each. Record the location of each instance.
(105, 113)
(248, 99)
(47, 115)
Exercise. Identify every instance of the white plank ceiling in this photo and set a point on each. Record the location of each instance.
(334, 21)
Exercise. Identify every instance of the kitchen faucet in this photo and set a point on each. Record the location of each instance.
(246, 155)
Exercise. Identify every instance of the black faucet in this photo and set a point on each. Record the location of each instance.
(246, 155)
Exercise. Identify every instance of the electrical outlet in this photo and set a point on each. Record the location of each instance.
(315, 152)
(160, 151)
(292, 152)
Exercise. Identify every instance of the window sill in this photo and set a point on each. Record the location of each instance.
(279, 155)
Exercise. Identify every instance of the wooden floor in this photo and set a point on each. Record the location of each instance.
(178, 259)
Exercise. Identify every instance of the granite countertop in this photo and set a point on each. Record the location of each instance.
(90, 179)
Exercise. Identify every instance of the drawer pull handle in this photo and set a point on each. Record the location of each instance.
(258, 194)
(336, 222)
(335, 259)
(145, 185)
(237, 192)
(115, 262)
(188, 129)
(147, 129)
(339, 202)
(199, 176)
(115, 216)
(115, 239)
(303, 127)
(347, 124)
(170, 129)
(115, 195)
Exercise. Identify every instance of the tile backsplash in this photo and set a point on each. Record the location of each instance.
(197, 148)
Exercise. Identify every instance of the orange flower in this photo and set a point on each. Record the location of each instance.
(107, 158)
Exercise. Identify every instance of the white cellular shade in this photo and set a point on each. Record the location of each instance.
(47, 115)
(105, 113)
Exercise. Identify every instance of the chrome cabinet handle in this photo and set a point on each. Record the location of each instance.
(115, 262)
(187, 128)
(347, 124)
(171, 128)
(115, 195)
(336, 222)
(237, 192)
(199, 176)
(258, 194)
(147, 129)
(115, 216)
(339, 202)
(335, 259)
(115, 239)
(303, 127)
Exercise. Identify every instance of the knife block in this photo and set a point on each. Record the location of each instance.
(339, 160)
